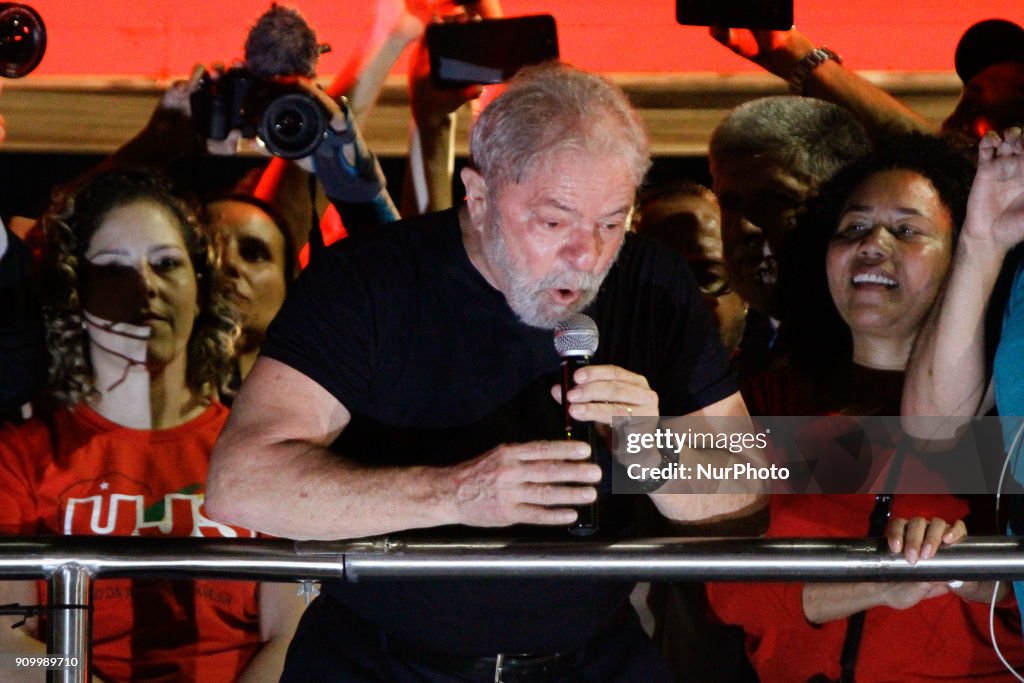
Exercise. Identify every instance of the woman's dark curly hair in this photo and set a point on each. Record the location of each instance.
(77, 212)
(820, 342)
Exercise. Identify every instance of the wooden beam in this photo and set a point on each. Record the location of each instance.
(97, 114)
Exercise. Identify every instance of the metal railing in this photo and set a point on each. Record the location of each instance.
(71, 564)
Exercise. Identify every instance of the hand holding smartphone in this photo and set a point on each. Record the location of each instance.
(488, 51)
(776, 15)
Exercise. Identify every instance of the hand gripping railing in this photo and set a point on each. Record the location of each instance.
(70, 564)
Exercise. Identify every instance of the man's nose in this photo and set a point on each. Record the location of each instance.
(741, 236)
(583, 247)
(738, 225)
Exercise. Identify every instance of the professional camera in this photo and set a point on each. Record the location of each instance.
(286, 118)
(22, 39)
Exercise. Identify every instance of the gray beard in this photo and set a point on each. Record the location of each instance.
(528, 299)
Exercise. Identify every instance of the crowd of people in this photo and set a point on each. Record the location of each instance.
(167, 370)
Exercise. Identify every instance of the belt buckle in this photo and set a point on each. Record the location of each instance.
(499, 664)
(501, 659)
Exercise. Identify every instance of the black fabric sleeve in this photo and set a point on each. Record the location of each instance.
(696, 371)
(711, 379)
(325, 330)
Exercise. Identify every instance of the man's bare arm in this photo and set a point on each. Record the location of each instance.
(271, 471)
(713, 507)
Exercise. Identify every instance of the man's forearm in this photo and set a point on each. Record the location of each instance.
(705, 489)
(298, 491)
(718, 496)
(712, 498)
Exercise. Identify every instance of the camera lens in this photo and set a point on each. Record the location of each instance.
(292, 125)
(22, 40)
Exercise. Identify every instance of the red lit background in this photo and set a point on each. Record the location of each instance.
(157, 39)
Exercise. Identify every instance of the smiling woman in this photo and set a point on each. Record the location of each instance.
(886, 260)
(868, 259)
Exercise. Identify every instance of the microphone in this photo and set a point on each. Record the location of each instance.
(576, 340)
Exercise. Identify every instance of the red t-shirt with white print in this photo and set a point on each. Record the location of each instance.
(77, 473)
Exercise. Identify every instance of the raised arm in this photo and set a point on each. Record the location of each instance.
(431, 157)
(780, 53)
(271, 471)
(348, 170)
(946, 374)
(167, 134)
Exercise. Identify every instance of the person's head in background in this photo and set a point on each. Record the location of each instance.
(872, 254)
(990, 61)
(129, 297)
(256, 261)
(767, 157)
(685, 216)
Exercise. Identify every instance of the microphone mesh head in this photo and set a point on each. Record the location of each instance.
(576, 336)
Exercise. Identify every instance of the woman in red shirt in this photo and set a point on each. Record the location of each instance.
(140, 343)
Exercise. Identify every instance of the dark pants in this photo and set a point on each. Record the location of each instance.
(359, 653)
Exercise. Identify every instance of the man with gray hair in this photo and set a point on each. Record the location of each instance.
(411, 382)
(767, 157)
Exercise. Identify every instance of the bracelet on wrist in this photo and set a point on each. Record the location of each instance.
(810, 61)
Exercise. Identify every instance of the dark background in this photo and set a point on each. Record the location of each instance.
(27, 178)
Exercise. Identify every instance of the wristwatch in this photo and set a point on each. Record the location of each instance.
(811, 61)
(650, 484)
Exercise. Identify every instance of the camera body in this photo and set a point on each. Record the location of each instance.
(287, 119)
(22, 39)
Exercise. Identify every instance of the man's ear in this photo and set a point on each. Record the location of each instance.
(476, 195)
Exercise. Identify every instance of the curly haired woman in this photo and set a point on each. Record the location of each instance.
(140, 343)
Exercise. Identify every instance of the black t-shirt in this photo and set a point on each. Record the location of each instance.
(435, 368)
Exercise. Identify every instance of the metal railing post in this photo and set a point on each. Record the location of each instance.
(70, 632)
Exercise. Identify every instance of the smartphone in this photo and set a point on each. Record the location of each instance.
(771, 14)
(490, 50)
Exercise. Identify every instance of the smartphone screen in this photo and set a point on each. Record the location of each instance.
(769, 14)
(488, 51)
